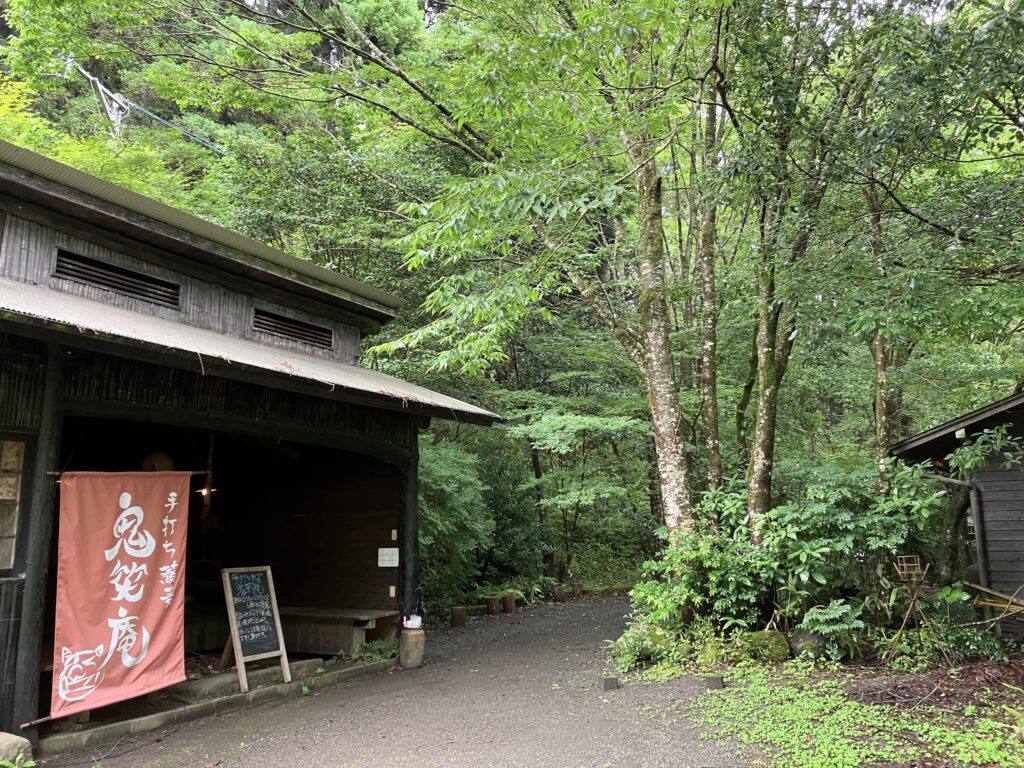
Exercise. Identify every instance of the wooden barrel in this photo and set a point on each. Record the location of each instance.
(508, 603)
(493, 606)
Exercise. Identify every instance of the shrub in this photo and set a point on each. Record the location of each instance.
(839, 624)
(922, 646)
(705, 573)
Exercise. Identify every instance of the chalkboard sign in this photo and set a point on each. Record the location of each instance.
(254, 613)
(254, 619)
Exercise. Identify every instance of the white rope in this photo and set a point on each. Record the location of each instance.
(117, 107)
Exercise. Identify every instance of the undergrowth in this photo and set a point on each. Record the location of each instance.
(799, 718)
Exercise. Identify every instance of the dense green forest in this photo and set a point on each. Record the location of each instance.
(708, 258)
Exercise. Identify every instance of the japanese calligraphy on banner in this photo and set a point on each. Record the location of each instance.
(120, 587)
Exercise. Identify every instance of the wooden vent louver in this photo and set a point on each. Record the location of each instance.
(290, 328)
(127, 282)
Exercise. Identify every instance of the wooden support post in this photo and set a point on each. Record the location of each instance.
(559, 593)
(493, 606)
(981, 540)
(577, 590)
(410, 528)
(458, 617)
(37, 544)
(508, 603)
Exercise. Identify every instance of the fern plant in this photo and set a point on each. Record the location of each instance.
(839, 624)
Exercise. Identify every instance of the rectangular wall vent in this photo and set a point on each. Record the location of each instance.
(290, 328)
(127, 282)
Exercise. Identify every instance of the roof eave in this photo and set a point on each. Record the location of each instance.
(951, 427)
(84, 338)
(49, 183)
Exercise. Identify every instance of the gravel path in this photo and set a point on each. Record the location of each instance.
(509, 691)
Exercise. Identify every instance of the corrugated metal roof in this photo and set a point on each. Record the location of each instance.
(51, 170)
(45, 306)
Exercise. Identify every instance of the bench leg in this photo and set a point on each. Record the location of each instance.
(358, 640)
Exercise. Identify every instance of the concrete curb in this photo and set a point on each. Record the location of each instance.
(102, 734)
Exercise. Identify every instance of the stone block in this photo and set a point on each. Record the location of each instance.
(11, 747)
(609, 683)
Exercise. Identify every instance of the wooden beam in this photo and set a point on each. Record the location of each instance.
(977, 512)
(37, 544)
(189, 361)
(378, 449)
(947, 480)
(409, 522)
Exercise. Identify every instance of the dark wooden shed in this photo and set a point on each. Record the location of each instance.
(997, 493)
(133, 336)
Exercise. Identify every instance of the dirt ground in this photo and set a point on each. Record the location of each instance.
(520, 690)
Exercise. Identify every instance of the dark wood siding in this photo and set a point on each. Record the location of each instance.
(22, 367)
(94, 379)
(320, 529)
(28, 252)
(10, 622)
(1001, 497)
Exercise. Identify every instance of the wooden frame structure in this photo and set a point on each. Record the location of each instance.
(75, 343)
(236, 641)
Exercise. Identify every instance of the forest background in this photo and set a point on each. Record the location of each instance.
(708, 258)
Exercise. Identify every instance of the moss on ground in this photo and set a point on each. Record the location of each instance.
(800, 717)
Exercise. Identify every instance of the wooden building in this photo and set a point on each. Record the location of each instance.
(997, 493)
(135, 336)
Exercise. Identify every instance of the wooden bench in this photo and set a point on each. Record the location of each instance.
(330, 631)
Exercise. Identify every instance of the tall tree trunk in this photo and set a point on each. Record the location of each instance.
(762, 449)
(742, 433)
(709, 308)
(883, 423)
(658, 363)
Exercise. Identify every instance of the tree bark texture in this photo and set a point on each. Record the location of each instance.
(658, 363)
(762, 448)
(709, 308)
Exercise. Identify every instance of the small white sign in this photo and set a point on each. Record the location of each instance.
(387, 557)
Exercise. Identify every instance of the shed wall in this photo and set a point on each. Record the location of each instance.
(28, 252)
(1001, 496)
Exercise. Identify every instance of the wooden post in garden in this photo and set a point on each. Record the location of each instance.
(493, 606)
(458, 617)
(508, 603)
(577, 590)
(559, 593)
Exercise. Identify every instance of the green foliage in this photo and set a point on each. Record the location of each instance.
(707, 573)
(923, 645)
(468, 150)
(988, 445)
(644, 644)
(19, 762)
(766, 645)
(452, 528)
(839, 624)
(376, 650)
(801, 721)
(525, 589)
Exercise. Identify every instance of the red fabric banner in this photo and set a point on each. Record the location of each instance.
(120, 628)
